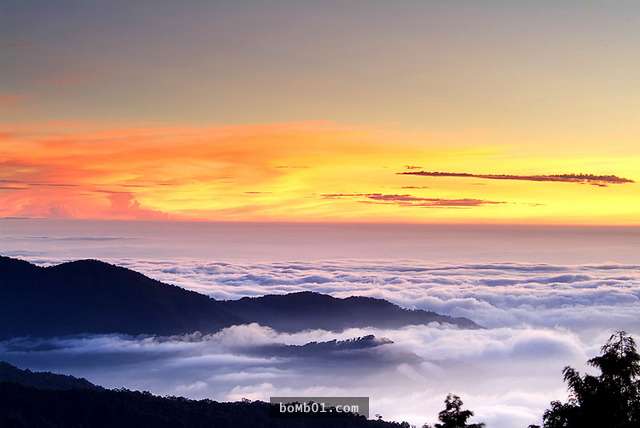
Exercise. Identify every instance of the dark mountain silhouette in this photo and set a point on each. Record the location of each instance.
(322, 350)
(298, 311)
(25, 403)
(90, 296)
(42, 380)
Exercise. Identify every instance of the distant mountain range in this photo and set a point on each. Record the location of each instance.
(42, 380)
(46, 400)
(93, 297)
(304, 310)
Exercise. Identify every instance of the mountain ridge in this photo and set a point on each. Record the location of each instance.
(47, 400)
(94, 297)
(42, 380)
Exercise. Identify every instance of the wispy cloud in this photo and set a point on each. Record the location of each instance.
(26, 184)
(187, 172)
(411, 200)
(595, 180)
(215, 173)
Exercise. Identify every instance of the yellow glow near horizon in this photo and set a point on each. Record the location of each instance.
(316, 172)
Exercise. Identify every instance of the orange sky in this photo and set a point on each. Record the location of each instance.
(302, 172)
(309, 111)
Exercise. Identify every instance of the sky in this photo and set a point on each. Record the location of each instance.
(284, 111)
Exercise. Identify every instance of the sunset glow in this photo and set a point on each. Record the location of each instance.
(317, 122)
(299, 172)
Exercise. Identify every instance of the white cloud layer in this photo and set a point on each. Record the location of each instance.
(540, 317)
(579, 297)
(507, 375)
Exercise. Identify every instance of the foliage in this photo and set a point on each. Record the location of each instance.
(453, 416)
(610, 400)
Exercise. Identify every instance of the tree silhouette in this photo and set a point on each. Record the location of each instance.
(453, 416)
(611, 400)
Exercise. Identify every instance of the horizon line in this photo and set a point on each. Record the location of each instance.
(326, 223)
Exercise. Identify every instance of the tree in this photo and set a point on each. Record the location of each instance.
(611, 400)
(453, 416)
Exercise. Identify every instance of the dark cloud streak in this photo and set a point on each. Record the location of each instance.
(406, 200)
(594, 180)
(35, 184)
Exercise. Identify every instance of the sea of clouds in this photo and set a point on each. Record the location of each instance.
(583, 298)
(538, 318)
